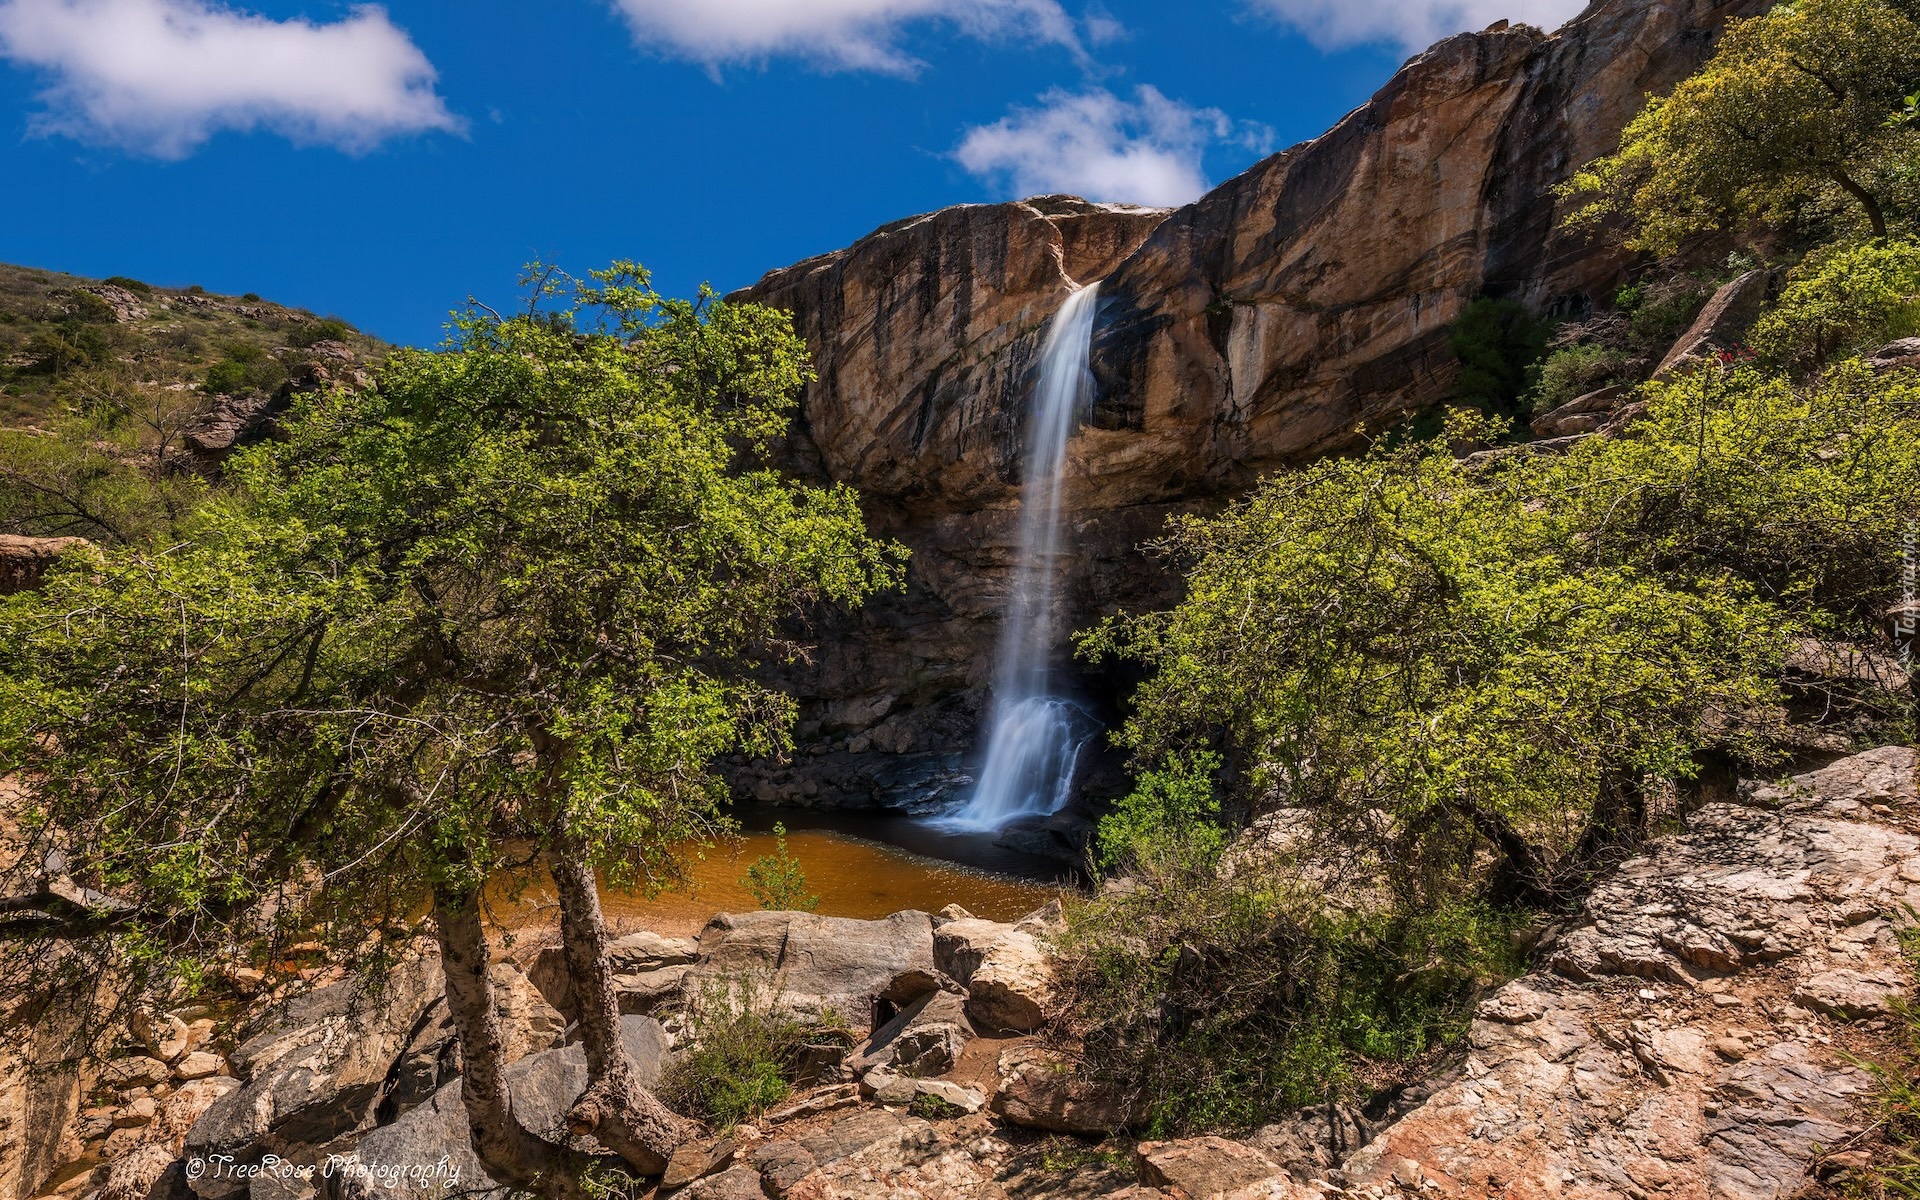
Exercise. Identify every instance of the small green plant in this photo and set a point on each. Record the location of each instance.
(744, 1054)
(929, 1107)
(1854, 299)
(777, 880)
(132, 285)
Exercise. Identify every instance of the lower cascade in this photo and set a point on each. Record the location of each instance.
(1034, 738)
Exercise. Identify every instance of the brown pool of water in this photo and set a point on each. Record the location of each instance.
(853, 878)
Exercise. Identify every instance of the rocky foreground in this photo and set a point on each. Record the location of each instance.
(1693, 1035)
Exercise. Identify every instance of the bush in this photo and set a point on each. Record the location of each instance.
(744, 1056)
(1658, 313)
(246, 369)
(332, 329)
(132, 285)
(1858, 298)
(1573, 371)
(1225, 1002)
(1175, 806)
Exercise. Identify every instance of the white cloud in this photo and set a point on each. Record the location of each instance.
(1413, 25)
(1097, 145)
(859, 35)
(162, 76)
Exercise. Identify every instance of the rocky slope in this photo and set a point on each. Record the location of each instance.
(1256, 327)
(1691, 1034)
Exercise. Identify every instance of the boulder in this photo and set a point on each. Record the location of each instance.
(960, 945)
(814, 963)
(1042, 1088)
(924, 1039)
(137, 1176)
(1902, 354)
(1721, 325)
(546, 1085)
(23, 560)
(1582, 414)
(1213, 1168)
(425, 1155)
(1012, 986)
(317, 1071)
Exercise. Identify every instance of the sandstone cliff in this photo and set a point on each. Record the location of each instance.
(1256, 327)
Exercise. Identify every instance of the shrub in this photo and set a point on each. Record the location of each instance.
(1659, 312)
(744, 1055)
(1573, 371)
(132, 285)
(1228, 1000)
(245, 369)
(1854, 299)
(777, 880)
(331, 329)
(1176, 805)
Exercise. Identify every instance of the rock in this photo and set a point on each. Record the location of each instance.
(1313, 1141)
(692, 1160)
(648, 951)
(125, 305)
(815, 963)
(316, 1071)
(198, 1065)
(23, 560)
(164, 1034)
(740, 1183)
(874, 1154)
(1042, 1088)
(426, 1152)
(966, 1099)
(649, 991)
(884, 1085)
(1721, 325)
(926, 1038)
(1583, 414)
(1576, 1085)
(1212, 1168)
(546, 1085)
(961, 944)
(1896, 355)
(137, 1176)
(1012, 985)
(137, 1071)
(1850, 995)
(138, 1111)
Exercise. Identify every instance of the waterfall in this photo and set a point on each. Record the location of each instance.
(1033, 737)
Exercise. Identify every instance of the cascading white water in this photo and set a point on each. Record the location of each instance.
(1033, 737)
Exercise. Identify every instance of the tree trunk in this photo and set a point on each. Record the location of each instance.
(1875, 215)
(513, 1155)
(619, 1113)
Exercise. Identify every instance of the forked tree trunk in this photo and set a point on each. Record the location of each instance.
(513, 1155)
(619, 1113)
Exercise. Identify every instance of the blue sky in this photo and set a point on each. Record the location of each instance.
(383, 163)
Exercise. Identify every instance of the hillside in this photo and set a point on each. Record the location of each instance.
(116, 395)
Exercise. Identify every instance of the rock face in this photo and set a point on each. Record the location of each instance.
(1255, 327)
(1679, 1042)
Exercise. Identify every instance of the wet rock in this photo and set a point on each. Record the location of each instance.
(1012, 986)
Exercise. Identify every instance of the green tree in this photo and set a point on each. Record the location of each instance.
(1497, 343)
(1810, 98)
(1453, 666)
(514, 594)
